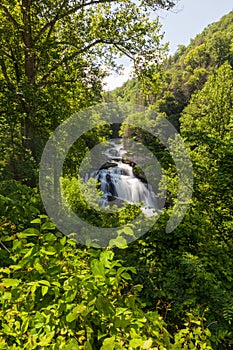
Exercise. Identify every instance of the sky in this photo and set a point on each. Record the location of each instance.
(182, 23)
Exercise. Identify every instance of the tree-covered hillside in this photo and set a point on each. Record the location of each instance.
(169, 89)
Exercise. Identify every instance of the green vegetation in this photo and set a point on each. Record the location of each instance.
(165, 291)
(53, 56)
(169, 88)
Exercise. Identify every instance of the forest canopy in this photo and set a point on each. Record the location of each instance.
(54, 56)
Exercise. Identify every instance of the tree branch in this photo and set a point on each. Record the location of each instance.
(118, 45)
(123, 51)
(14, 61)
(52, 23)
(73, 10)
(17, 71)
(6, 54)
(10, 17)
(57, 82)
(5, 74)
(66, 58)
(3, 245)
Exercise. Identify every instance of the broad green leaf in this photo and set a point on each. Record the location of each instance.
(104, 306)
(36, 221)
(46, 340)
(108, 344)
(106, 258)
(44, 282)
(63, 240)
(72, 345)
(87, 346)
(39, 267)
(147, 344)
(48, 252)
(50, 237)
(128, 231)
(97, 268)
(71, 317)
(132, 269)
(48, 225)
(17, 243)
(29, 232)
(6, 296)
(74, 314)
(44, 290)
(29, 253)
(11, 282)
(119, 242)
(126, 276)
(136, 343)
(122, 321)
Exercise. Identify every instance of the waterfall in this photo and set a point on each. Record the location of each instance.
(117, 181)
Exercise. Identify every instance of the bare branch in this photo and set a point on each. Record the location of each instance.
(3, 245)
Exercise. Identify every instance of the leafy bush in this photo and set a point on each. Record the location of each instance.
(18, 202)
(84, 200)
(56, 295)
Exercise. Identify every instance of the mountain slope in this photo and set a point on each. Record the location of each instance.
(182, 74)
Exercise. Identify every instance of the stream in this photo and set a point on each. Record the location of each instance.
(119, 183)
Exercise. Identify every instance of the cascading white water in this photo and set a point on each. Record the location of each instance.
(117, 180)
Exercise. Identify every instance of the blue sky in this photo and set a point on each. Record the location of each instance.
(184, 22)
(190, 17)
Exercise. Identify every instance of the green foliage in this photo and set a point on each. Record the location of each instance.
(84, 199)
(19, 203)
(207, 124)
(130, 91)
(55, 295)
(164, 291)
(169, 89)
(190, 270)
(52, 59)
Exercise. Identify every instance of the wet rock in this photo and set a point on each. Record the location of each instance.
(108, 165)
(115, 201)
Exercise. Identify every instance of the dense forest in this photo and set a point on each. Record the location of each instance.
(163, 290)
